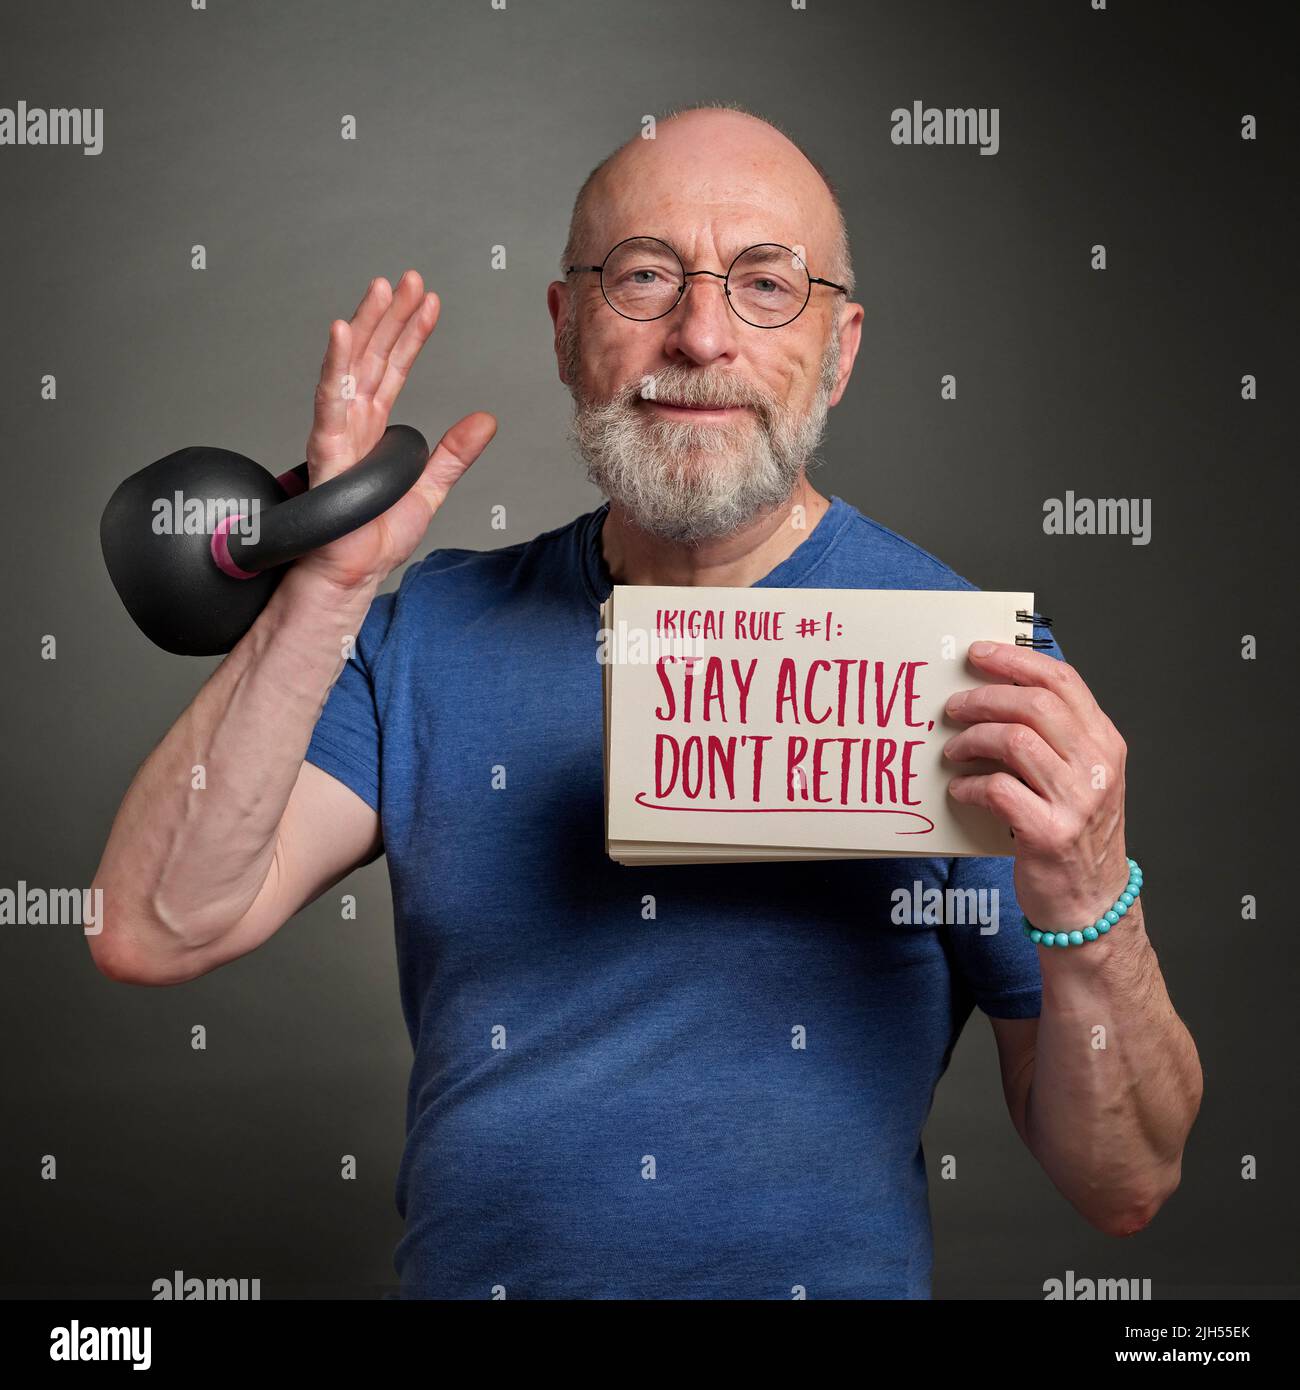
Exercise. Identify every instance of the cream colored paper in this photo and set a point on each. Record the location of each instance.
(836, 814)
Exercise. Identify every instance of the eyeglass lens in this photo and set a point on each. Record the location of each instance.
(643, 278)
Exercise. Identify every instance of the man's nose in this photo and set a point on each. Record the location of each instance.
(705, 327)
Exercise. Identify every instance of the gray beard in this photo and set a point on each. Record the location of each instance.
(686, 482)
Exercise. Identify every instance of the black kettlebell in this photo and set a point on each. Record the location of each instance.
(196, 543)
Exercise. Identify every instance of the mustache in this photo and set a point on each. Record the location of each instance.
(675, 384)
(693, 389)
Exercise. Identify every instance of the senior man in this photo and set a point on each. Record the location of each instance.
(604, 1101)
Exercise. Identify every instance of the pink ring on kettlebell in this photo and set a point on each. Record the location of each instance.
(221, 549)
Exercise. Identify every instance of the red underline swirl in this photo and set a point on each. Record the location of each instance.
(794, 810)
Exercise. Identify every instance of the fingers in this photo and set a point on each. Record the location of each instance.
(376, 350)
(1010, 801)
(377, 298)
(456, 450)
(1004, 661)
(370, 363)
(1041, 710)
(407, 348)
(1019, 749)
(327, 443)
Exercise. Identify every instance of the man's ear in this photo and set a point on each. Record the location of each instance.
(850, 341)
(559, 302)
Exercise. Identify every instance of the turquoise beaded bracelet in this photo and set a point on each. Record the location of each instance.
(1103, 923)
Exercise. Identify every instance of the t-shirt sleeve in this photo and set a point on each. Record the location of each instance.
(1000, 969)
(346, 740)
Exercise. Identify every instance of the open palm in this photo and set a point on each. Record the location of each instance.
(366, 365)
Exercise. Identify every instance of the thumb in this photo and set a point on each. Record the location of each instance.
(456, 450)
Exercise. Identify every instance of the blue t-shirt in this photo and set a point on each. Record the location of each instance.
(716, 1094)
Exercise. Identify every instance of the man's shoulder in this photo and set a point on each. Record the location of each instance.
(453, 586)
(561, 544)
(866, 552)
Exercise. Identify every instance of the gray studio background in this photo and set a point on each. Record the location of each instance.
(476, 127)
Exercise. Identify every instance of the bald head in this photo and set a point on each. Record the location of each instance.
(719, 167)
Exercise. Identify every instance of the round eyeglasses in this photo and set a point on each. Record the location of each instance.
(767, 285)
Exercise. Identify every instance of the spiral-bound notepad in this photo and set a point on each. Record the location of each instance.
(766, 724)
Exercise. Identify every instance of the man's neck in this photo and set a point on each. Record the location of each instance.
(734, 561)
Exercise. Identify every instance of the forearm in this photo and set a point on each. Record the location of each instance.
(1116, 1082)
(195, 836)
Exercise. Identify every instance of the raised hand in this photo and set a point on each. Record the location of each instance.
(366, 364)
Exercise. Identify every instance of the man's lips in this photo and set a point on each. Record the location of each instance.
(673, 409)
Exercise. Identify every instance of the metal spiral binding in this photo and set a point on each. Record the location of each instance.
(1038, 620)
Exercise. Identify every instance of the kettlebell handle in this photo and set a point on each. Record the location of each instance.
(316, 516)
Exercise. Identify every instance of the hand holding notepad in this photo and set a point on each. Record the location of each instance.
(764, 724)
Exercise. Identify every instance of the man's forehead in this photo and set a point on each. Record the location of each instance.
(712, 186)
(732, 236)
(729, 232)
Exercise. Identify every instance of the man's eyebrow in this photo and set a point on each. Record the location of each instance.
(770, 252)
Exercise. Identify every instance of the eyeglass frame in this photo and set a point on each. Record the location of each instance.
(687, 274)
